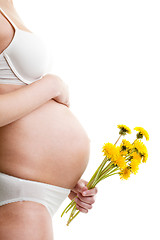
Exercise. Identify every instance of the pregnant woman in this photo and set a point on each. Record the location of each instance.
(44, 150)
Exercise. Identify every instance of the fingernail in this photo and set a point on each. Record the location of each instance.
(82, 184)
(84, 193)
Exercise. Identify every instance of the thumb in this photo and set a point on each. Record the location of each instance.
(81, 186)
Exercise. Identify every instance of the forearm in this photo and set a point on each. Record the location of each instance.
(16, 104)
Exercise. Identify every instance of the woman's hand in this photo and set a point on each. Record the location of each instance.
(85, 198)
(60, 90)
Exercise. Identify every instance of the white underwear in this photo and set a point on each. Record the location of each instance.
(13, 189)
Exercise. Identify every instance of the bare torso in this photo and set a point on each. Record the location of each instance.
(48, 145)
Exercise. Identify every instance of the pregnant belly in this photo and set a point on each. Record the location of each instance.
(48, 145)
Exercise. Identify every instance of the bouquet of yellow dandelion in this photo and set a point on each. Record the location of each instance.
(123, 160)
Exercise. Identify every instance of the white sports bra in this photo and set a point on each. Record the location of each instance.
(25, 60)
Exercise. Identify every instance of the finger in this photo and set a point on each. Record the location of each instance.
(72, 195)
(90, 192)
(80, 187)
(84, 181)
(88, 200)
(82, 204)
(81, 209)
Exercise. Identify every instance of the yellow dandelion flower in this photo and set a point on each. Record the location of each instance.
(125, 173)
(142, 132)
(109, 150)
(140, 147)
(145, 157)
(134, 165)
(136, 156)
(123, 129)
(124, 152)
(118, 149)
(121, 163)
(126, 145)
(116, 155)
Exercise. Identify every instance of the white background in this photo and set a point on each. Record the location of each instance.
(108, 52)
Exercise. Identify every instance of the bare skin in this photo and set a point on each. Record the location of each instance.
(48, 130)
(54, 142)
(25, 220)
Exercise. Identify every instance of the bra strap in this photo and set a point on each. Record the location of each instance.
(8, 18)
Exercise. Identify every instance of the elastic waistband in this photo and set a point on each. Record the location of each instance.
(54, 187)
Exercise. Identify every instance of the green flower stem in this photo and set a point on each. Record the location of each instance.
(99, 171)
(73, 211)
(111, 169)
(69, 220)
(105, 176)
(113, 174)
(99, 179)
(66, 208)
(69, 206)
(118, 139)
(95, 174)
(107, 168)
(72, 215)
